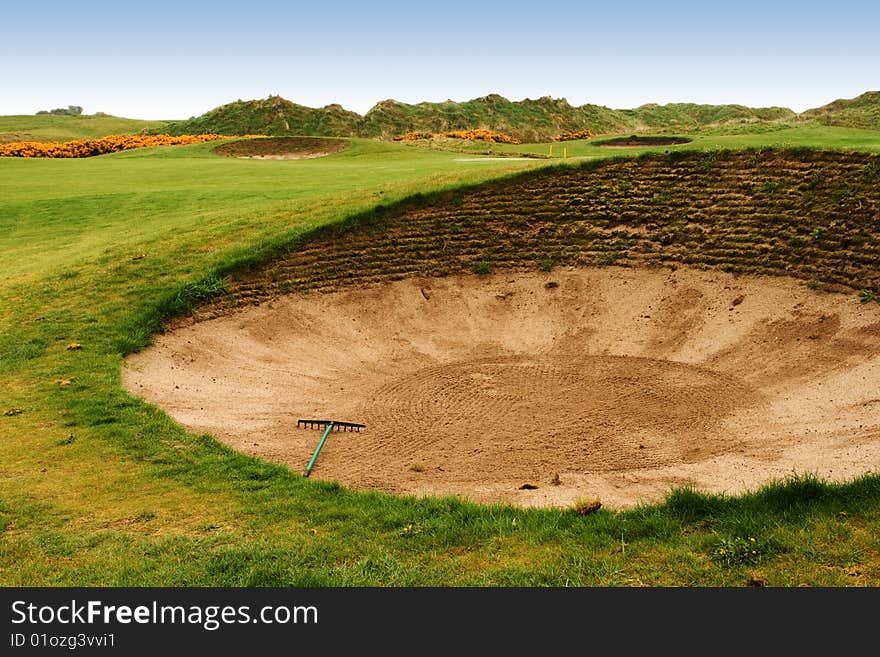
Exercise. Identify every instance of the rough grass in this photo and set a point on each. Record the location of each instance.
(530, 120)
(99, 488)
(51, 127)
(860, 112)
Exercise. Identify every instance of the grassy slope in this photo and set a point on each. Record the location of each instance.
(50, 127)
(691, 116)
(271, 116)
(528, 120)
(99, 488)
(860, 112)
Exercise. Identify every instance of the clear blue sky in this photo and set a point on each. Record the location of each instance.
(164, 59)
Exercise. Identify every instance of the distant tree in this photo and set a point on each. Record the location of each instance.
(72, 110)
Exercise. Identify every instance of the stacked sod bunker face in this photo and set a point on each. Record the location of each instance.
(612, 330)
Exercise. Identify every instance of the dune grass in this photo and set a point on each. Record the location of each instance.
(100, 488)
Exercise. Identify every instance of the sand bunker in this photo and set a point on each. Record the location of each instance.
(610, 382)
(282, 148)
(634, 141)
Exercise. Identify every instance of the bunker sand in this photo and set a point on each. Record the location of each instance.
(282, 148)
(623, 382)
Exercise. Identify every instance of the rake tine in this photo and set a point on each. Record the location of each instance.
(329, 426)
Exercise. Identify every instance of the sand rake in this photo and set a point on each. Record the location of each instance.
(330, 424)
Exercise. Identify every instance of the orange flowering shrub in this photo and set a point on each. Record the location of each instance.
(484, 135)
(91, 147)
(478, 133)
(413, 136)
(569, 136)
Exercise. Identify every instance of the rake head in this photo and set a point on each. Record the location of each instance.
(337, 424)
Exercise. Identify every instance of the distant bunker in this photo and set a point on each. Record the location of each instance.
(281, 148)
(635, 141)
(610, 330)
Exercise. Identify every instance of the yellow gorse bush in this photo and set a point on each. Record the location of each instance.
(569, 136)
(414, 136)
(100, 146)
(483, 135)
(474, 134)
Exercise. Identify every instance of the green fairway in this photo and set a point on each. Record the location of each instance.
(100, 488)
(763, 137)
(62, 213)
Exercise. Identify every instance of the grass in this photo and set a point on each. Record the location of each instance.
(538, 120)
(482, 267)
(707, 140)
(51, 127)
(546, 264)
(860, 112)
(100, 488)
(584, 506)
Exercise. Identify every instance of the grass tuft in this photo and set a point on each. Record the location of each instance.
(482, 267)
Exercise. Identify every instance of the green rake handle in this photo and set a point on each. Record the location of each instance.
(318, 450)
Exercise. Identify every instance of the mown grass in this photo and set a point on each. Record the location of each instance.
(100, 488)
(779, 137)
